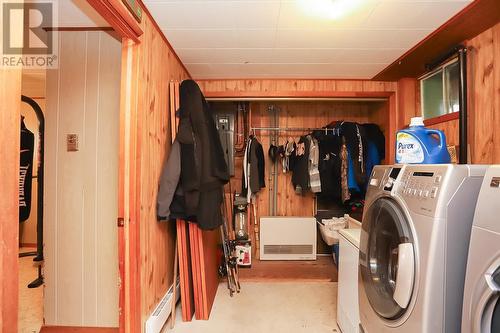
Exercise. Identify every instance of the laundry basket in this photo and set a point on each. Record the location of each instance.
(329, 229)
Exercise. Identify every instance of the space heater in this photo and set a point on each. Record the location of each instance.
(287, 238)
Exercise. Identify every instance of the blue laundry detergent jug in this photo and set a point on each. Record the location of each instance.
(419, 145)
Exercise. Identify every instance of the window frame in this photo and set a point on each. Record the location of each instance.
(445, 116)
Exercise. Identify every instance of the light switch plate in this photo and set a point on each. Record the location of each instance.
(72, 142)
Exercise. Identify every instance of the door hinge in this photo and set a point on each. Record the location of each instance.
(120, 221)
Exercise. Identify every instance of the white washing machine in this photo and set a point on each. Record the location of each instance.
(481, 308)
(413, 247)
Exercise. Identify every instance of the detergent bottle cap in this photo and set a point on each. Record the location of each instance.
(417, 121)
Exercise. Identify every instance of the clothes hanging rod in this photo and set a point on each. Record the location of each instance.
(291, 129)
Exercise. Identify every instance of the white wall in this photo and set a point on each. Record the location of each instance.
(81, 188)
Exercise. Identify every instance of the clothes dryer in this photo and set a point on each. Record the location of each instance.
(481, 307)
(413, 247)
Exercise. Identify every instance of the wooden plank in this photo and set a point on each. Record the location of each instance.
(193, 244)
(306, 88)
(481, 94)
(10, 108)
(496, 96)
(118, 16)
(407, 101)
(477, 17)
(441, 119)
(185, 272)
(209, 268)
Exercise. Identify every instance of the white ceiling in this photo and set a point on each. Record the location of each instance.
(275, 38)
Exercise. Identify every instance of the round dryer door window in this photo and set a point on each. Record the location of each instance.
(489, 307)
(387, 262)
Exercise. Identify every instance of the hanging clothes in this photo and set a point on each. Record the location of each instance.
(329, 164)
(203, 168)
(300, 171)
(375, 136)
(25, 171)
(346, 194)
(356, 141)
(314, 177)
(253, 169)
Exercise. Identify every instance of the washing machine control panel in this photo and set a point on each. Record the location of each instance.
(421, 188)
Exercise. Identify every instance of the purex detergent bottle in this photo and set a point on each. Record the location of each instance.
(420, 145)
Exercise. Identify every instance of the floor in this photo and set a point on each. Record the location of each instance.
(320, 270)
(283, 307)
(30, 300)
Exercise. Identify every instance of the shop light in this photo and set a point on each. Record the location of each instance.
(329, 9)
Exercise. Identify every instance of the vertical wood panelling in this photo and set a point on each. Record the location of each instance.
(481, 94)
(10, 95)
(483, 84)
(149, 244)
(407, 101)
(81, 250)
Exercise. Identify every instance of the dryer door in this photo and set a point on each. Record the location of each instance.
(487, 317)
(386, 258)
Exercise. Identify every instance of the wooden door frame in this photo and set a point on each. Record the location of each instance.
(10, 113)
(122, 21)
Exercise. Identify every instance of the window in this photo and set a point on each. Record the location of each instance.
(439, 90)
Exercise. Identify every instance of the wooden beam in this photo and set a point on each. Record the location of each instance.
(119, 17)
(477, 17)
(441, 119)
(297, 94)
(10, 110)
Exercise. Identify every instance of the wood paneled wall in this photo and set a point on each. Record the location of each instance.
(10, 95)
(483, 64)
(310, 88)
(483, 80)
(295, 88)
(148, 68)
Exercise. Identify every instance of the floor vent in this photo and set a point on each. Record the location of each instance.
(159, 317)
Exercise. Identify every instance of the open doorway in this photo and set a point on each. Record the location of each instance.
(274, 123)
(75, 262)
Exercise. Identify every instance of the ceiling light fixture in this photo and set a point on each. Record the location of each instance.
(330, 9)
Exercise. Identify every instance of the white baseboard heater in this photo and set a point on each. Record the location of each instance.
(287, 238)
(159, 317)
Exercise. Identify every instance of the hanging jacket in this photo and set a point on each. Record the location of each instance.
(203, 168)
(169, 181)
(375, 135)
(253, 169)
(356, 143)
(300, 176)
(329, 164)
